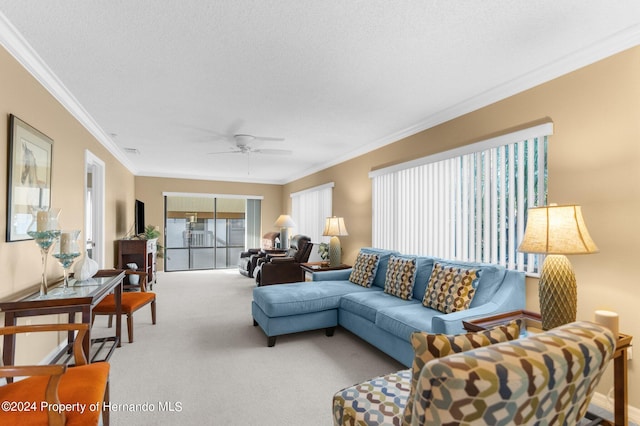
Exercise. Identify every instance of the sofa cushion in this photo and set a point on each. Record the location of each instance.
(491, 278)
(367, 303)
(302, 298)
(428, 347)
(400, 277)
(450, 288)
(383, 261)
(403, 320)
(379, 401)
(364, 270)
(424, 266)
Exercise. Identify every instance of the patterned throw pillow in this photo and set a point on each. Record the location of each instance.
(428, 347)
(364, 270)
(450, 288)
(401, 275)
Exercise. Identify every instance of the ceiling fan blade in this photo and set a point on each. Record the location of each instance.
(224, 152)
(272, 151)
(265, 138)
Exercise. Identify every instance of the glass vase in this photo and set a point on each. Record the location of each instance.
(44, 230)
(66, 251)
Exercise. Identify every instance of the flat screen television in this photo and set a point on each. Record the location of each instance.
(139, 217)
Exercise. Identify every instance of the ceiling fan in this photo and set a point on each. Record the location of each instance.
(243, 145)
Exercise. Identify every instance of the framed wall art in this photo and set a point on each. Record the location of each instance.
(29, 180)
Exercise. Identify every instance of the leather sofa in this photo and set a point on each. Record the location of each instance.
(284, 268)
(249, 259)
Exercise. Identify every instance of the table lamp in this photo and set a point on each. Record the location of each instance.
(334, 227)
(284, 222)
(556, 231)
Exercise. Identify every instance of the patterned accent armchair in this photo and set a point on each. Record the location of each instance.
(285, 268)
(540, 379)
(249, 259)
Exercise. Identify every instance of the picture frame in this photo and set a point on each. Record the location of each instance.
(29, 176)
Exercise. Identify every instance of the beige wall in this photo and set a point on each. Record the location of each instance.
(593, 160)
(20, 262)
(150, 189)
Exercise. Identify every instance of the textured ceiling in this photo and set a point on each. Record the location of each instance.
(335, 78)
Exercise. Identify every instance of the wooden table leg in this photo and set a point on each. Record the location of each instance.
(71, 335)
(9, 348)
(117, 294)
(620, 389)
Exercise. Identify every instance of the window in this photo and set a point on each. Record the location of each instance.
(466, 204)
(208, 231)
(310, 208)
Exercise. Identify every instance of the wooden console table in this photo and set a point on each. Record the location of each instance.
(533, 323)
(86, 295)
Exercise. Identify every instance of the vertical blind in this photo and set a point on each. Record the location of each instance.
(253, 238)
(310, 208)
(467, 204)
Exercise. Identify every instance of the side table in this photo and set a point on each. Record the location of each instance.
(532, 323)
(311, 268)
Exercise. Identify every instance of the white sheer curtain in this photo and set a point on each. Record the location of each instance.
(310, 208)
(467, 204)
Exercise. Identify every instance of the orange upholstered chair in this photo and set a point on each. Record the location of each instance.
(131, 302)
(31, 401)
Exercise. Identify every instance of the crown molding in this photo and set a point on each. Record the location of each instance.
(623, 40)
(22, 51)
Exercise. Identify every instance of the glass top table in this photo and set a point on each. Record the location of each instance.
(84, 296)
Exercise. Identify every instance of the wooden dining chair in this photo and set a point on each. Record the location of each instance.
(33, 399)
(131, 302)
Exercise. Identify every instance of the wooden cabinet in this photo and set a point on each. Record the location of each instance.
(141, 252)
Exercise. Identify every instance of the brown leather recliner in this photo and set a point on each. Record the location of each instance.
(249, 259)
(280, 269)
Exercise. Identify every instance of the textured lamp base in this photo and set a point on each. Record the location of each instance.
(557, 292)
(335, 252)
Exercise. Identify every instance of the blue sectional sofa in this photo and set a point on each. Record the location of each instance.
(382, 319)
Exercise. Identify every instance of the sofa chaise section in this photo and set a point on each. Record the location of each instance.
(296, 307)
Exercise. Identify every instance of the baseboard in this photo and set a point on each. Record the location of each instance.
(603, 402)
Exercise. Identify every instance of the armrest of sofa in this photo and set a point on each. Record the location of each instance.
(452, 323)
(337, 275)
(279, 273)
(281, 259)
(509, 297)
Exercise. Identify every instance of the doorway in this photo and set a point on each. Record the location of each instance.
(94, 171)
(203, 232)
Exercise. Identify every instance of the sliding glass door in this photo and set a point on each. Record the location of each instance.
(203, 232)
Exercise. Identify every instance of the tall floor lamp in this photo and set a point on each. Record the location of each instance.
(284, 222)
(556, 231)
(334, 228)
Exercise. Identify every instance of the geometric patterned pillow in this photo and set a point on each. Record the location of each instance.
(364, 270)
(428, 347)
(401, 275)
(450, 288)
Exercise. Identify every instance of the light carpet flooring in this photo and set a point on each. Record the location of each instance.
(206, 361)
